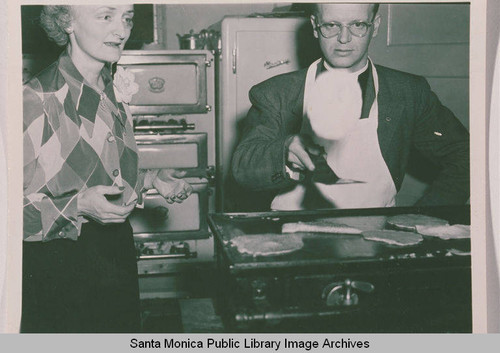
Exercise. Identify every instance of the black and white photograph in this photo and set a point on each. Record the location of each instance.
(294, 168)
(254, 167)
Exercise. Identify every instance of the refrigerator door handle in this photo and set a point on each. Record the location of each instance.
(234, 61)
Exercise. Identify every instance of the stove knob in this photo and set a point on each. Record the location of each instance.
(259, 289)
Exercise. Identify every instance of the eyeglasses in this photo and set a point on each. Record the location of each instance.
(332, 29)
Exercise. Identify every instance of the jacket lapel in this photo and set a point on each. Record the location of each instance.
(367, 85)
(298, 107)
(390, 110)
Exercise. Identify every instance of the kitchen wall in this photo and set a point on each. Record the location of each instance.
(182, 18)
(423, 47)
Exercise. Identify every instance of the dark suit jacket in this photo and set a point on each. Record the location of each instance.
(410, 116)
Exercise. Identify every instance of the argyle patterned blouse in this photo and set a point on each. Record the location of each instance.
(74, 138)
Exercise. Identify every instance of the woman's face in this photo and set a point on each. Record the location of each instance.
(99, 33)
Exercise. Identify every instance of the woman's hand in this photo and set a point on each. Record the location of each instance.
(93, 203)
(169, 184)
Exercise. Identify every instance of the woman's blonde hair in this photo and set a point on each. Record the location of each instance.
(55, 20)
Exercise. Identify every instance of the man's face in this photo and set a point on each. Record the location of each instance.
(345, 50)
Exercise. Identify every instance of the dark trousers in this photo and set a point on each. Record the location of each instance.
(89, 285)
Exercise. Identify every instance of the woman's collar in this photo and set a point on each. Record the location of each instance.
(68, 67)
(77, 82)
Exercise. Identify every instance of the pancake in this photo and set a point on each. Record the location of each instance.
(458, 252)
(267, 244)
(363, 223)
(411, 221)
(337, 225)
(393, 237)
(457, 231)
(320, 226)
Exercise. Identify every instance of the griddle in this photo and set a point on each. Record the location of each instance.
(421, 288)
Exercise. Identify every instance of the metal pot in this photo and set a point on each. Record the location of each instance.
(192, 40)
(213, 41)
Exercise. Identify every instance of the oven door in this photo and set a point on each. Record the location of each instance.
(159, 220)
(177, 151)
(159, 75)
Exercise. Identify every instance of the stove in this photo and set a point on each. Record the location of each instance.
(174, 124)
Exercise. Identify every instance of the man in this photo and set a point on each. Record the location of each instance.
(361, 119)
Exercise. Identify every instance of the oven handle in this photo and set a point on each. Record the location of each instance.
(177, 251)
(277, 316)
(342, 293)
(187, 126)
(168, 256)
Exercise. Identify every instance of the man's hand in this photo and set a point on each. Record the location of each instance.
(93, 203)
(169, 184)
(299, 148)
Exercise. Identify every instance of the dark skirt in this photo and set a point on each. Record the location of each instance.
(89, 285)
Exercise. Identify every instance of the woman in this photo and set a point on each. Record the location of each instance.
(81, 179)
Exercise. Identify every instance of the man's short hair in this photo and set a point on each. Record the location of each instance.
(312, 9)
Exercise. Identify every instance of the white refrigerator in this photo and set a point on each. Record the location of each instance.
(253, 49)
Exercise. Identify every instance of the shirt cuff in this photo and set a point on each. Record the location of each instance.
(149, 178)
(292, 174)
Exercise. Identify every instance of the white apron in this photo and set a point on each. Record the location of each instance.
(353, 152)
